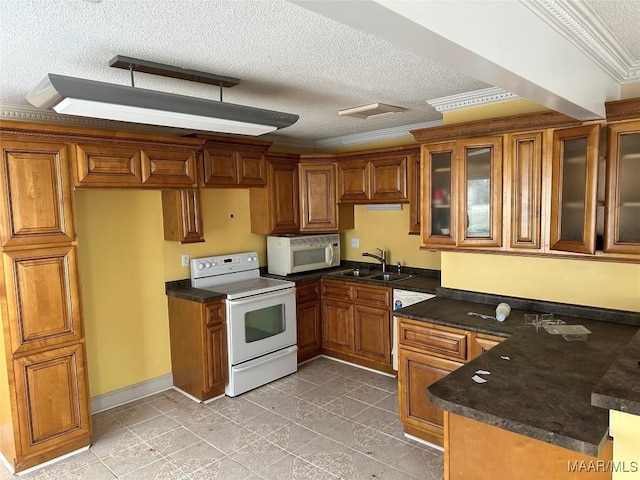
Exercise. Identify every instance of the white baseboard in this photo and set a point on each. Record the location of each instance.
(136, 391)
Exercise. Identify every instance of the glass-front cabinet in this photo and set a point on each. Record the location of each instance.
(480, 192)
(574, 177)
(622, 213)
(439, 194)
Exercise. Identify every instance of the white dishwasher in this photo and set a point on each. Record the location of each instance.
(401, 299)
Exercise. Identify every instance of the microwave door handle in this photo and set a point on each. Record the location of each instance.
(330, 248)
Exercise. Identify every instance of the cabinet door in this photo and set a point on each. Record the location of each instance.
(220, 168)
(622, 215)
(574, 179)
(182, 216)
(169, 168)
(42, 298)
(415, 204)
(371, 332)
(318, 197)
(438, 194)
(51, 392)
(308, 329)
(389, 179)
(416, 371)
(353, 181)
(251, 169)
(285, 202)
(483, 342)
(107, 166)
(216, 370)
(480, 192)
(337, 326)
(36, 198)
(523, 174)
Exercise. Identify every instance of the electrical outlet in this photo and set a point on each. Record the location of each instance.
(355, 243)
(185, 260)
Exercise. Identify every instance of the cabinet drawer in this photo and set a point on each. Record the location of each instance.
(445, 343)
(308, 291)
(372, 296)
(337, 290)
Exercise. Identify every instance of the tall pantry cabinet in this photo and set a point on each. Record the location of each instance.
(44, 402)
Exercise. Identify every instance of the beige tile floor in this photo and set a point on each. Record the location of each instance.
(327, 421)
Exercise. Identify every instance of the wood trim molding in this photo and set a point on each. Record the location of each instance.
(383, 152)
(494, 126)
(623, 109)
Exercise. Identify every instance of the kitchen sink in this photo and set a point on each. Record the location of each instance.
(363, 272)
(390, 277)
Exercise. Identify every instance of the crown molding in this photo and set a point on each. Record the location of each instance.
(623, 109)
(577, 22)
(460, 101)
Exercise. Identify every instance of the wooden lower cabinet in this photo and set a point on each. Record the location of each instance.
(478, 451)
(427, 353)
(416, 371)
(356, 323)
(308, 321)
(199, 360)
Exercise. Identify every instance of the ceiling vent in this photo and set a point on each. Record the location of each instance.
(373, 110)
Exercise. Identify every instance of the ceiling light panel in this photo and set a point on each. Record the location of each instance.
(372, 110)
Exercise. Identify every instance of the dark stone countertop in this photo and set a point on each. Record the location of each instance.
(619, 389)
(183, 289)
(544, 390)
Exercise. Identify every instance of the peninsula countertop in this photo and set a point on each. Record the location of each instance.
(540, 385)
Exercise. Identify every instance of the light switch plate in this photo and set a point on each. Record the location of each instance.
(355, 243)
(185, 260)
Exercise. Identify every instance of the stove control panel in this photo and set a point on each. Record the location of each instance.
(223, 264)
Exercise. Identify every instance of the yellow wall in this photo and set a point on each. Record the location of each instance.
(625, 430)
(124, 262)
(387, 230)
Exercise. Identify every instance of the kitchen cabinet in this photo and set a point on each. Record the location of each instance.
(182, 216)
(356, 323)
(199, 360)
(479, 212)
(427, 353)
(622, 213)
(44, 380)
(523, 187)
(483, 342)
(415, 204)
(318, 200)
(377, 176)
(308, 320)
(133, 165)
(229, 162)
(439, 186)
(574, 188)
(275, 209)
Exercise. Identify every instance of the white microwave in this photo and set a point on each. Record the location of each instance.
(302, 253)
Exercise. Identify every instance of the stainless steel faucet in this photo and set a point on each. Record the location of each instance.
(382, 258)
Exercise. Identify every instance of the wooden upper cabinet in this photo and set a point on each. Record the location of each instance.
(439, 194)
(523, 183)
(275, 209)
(574, 179)
(319, 211)
(104, 165)
(382, 179)
(353, 181)
(182, 216)
(233, 162)
(479, 192)
(36, 204)
(415, 203)
(622, 213)
(169, 168)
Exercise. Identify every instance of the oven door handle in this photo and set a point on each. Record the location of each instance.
(266, 359)
(262, 296)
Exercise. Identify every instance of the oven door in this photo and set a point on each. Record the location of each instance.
(261, 324)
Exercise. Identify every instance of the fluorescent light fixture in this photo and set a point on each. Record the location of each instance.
(89, 98)
(372, 110)
(384, 207)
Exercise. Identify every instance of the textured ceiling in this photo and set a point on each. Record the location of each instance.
(287, 57)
